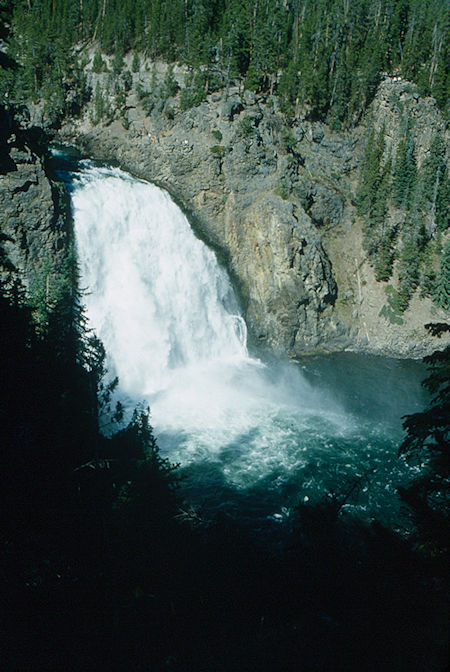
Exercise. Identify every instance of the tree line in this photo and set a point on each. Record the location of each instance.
(328, 55)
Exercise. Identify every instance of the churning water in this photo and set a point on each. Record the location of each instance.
(252, 438)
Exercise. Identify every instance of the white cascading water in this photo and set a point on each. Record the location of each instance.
(155, 294)
(169, 320)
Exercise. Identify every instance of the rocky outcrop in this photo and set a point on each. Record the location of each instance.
(398, 104)
(34, 226)
(277, 203)
(362, 303)
(279, 260)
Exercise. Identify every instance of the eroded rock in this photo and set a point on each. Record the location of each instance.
(278, 203)
(33, 223)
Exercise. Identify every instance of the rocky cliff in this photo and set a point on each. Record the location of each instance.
(34, 222)
(278, 203)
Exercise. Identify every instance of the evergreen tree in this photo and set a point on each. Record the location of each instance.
(427, 273)
(442, 212)
(339, 50)
(413, 244)
(372, 204)
(136, 63)
(101, 107)
(98, 64)
(118, 62)
(385, 256)
(427, 444)
(441, 290)
(431, 174)
(370, 173)
(194, 91)
(170, 84)
(405, 172)
(236, 37)
(340, 95)
(288, 87)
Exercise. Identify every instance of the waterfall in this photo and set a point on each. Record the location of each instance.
(167, 314)
(156, 295)
(170, 323)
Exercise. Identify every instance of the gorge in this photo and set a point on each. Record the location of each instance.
(252, 437)
(224, 250)
(280, 214)
(101, 572)
(279, 204)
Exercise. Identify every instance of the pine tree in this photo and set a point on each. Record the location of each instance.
(427, 445)
(441, 290)
(136, 63)
(413, 245)
(379, 202)
(101, 107)
(98, 64)
(427, 272)
(339, 48)
(194, 91)
(370, 173)
(339, 97)
(236, 36)
(431, 174)
(405, 172)
(118, 62)
(442, 213)
(384, 260)
(170, 83)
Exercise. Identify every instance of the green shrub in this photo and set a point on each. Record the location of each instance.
(136, 63)
(398, 300)
(98, 64)
(246, 127)
(219, 150)
(390, 315)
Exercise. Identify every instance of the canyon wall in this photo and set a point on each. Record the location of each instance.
(278, 204)
(276, 201)
(35, 225)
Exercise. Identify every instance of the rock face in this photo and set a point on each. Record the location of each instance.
(279, 260)
(277, 203)
(34, 226)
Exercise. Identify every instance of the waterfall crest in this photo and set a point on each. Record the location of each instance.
(155, 294)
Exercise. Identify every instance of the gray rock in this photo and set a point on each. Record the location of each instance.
(315, 133)
(231, 108)
(282, 268)
(32, 221)
(276, 209)
(327, 206)
(249, 97)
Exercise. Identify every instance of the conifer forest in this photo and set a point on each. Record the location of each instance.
(328, 54)
(105, 564)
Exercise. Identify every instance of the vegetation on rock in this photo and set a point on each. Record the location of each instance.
(331, 56)
(401, 205)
